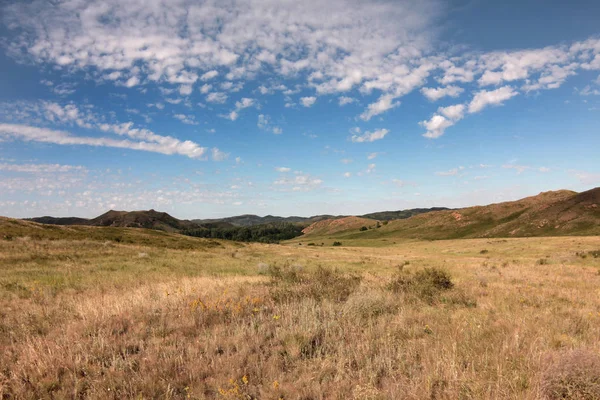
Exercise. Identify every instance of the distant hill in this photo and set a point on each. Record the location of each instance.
(60, 221)
(251, 220)
(331, 226)
(557, 213)
(141, 219)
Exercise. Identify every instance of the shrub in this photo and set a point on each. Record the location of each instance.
(311, 244)
(292, 284)
(543, 261)
(573, 374)
(594, 253)
(484, 251)
(363, 228)
(337, 243)
(425, 284)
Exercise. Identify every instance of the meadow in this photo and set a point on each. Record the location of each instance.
(135, 314)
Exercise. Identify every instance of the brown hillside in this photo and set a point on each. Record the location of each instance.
(330, 226)
(547, 214)
(141, 219)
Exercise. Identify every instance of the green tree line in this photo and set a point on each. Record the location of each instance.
(266, 233)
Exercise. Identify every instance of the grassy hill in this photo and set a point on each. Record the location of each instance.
(558, 213)
(12, 229)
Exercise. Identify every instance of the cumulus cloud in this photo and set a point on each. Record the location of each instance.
(216, 97)
(435, 94)
(343, 100)
(185, 90)
(186, 119)
(282, 169)
(299, 183)
(384, 50)
(486, 98)
(176, 42)
(369, 136)
(384, 103)
(308, 101)
(264, 123)
(218, 155)
(209, 75)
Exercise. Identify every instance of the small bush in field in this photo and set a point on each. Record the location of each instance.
(484, 251)
(324, 283)
(337, 243)
(594, 253)
(425, 284)
(543, 261)
(572, 375)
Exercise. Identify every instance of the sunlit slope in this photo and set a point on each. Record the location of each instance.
(558, 213)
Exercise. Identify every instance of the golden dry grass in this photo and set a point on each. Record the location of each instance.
(84, 319)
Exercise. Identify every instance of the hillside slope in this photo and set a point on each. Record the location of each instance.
(141, 219)
(558, 213)
(331, 226)
(17, 229)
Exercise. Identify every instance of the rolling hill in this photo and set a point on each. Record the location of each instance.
(557, 213)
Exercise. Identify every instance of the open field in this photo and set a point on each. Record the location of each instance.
(126, 316)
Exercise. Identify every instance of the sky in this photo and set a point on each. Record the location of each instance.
(215, 108)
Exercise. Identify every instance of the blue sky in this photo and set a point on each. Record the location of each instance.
(217, 108)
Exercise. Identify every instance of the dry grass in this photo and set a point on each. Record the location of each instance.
(82, 320)
(573, 375)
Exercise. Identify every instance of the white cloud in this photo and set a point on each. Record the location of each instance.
(186, 119)
(347, 174)
(216, 97)
(346, 161)
(244, 103)
(205, 88)
(451, 172)
(372, 156)
(153, 143)
(133, 81)
(435, 94)
(385, 102)
(218, 155)
(308, 101)
(175, 42)
(588, 90)
(369, 136)
(298, 183)
(185, 90)
(264, 123)
(41, 168)
(343, 100)
(519, 168)
(454, 112)
(484, 98)
(370, 168)
(209, 75)
(232, 115)
(282, 169)
(436, 126)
